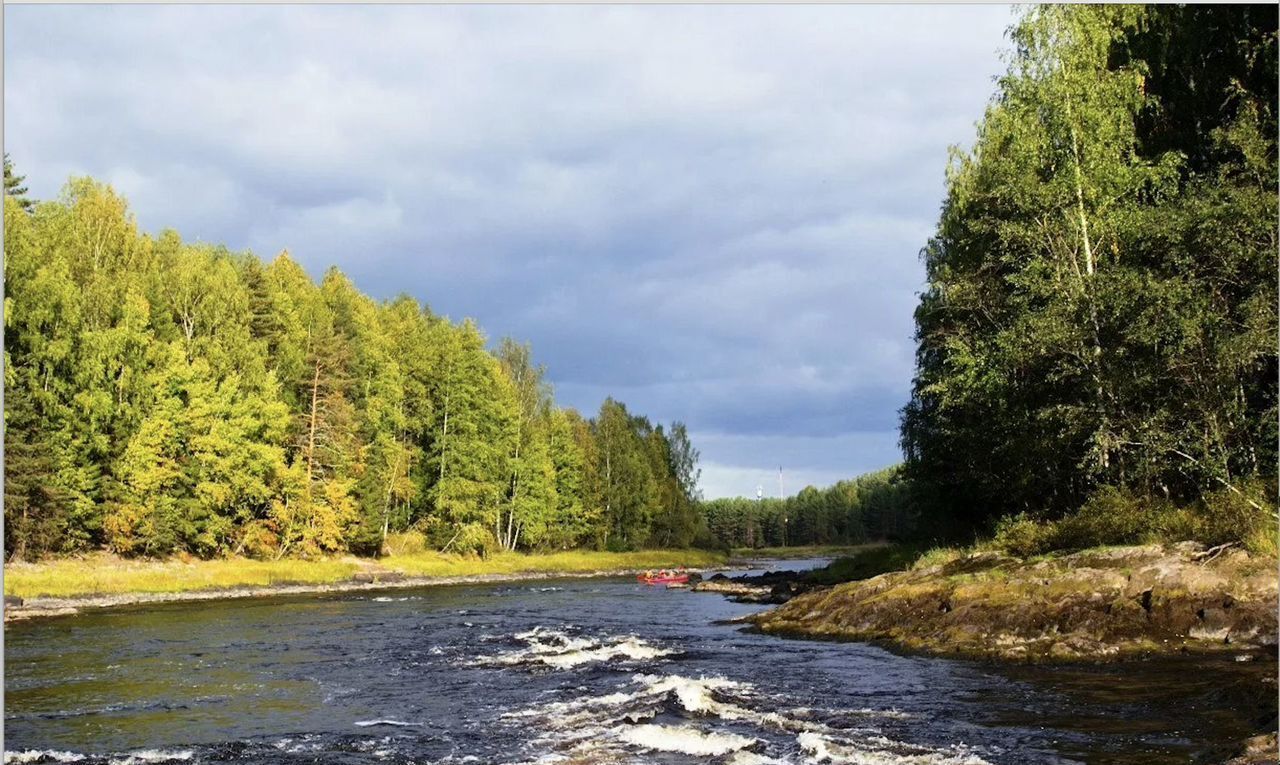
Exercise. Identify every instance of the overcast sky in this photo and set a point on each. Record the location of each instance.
(712, 213)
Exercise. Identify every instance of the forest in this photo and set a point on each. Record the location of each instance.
(1099, 328)
(1096, 340)
(168, 397)
(875, 506)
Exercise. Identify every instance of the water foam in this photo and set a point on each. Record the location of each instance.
(397, 723)
(684, 739)
(41, 755)
(878, 750)
(145, 756)
(559, 650)
(613, 725)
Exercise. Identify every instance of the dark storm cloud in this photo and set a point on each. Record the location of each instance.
(711, 213)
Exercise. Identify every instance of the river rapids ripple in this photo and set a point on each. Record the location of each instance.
(579, 671)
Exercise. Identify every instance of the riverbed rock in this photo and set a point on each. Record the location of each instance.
(376, 577)
(1092, 605)
(1259, 750)
(740, 591)
(772, 587)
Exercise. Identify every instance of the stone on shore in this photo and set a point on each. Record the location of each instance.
(1092, 605)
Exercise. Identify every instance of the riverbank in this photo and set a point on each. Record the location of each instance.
(802, 552)
(100, 580)
(1092, 605)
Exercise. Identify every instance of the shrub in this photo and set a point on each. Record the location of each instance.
(1115, 516)
(938, 556)
(405, 543)
(259, 540)
(1111, 517)
(1247, 517)
(1023, 536)
(1180, 523)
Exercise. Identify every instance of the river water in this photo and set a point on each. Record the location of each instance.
(571, 671)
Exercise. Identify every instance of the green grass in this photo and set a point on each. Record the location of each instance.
(104, 574)
(808, 551)
(866, 563)
(937, 556)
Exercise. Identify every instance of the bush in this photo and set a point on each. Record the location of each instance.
(405, 543)
(867, 563)
(1247, 517)
(938, 556)
(1115, 516)
(1111, 517)
(259, 540)
(1023, 536)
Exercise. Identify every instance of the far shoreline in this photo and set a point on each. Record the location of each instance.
(43, 607)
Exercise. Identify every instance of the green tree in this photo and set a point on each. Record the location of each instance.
(629, 493)
(14, 189)
(531, 493)
(1101, 299)
(472, 438)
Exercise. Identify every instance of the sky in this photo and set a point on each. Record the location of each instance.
(711, 213)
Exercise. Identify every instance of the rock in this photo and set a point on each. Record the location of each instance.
(12, 601)
(1189, 548)
(376, 577)
(1257, 751)
(1091, 605)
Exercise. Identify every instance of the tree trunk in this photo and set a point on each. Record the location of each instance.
(311, 432)
(1089, 269)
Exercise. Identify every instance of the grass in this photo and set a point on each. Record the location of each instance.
(867, 562)
(938, 556)
(808, 551)
(568, 562)
(105, 574)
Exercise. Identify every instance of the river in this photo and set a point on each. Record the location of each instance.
(575, 671)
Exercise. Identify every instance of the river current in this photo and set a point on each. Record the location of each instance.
(571, 671)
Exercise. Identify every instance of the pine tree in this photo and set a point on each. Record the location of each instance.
(14, 189)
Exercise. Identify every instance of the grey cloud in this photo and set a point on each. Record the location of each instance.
(713, 213)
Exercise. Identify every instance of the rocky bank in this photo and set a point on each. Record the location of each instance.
(1092, 605)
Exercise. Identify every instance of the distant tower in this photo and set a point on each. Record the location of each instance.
(781, 494)
(759, 493)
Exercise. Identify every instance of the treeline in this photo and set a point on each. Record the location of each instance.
(163, 396)
(1100, 315)
(880, 505)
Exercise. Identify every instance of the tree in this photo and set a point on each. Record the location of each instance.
(1102, 278)
(14, 189)
(629, 493)
(170, 397)
(473, 439)
(531, 493)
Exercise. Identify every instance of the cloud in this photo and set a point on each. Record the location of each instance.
(712, 213)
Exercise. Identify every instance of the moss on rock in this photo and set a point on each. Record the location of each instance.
(1097, 604)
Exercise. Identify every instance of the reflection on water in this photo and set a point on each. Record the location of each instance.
(575, 671)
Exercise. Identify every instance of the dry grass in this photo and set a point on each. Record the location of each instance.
(105, 574)
(571, 561)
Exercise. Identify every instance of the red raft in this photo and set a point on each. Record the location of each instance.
(656, 579)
